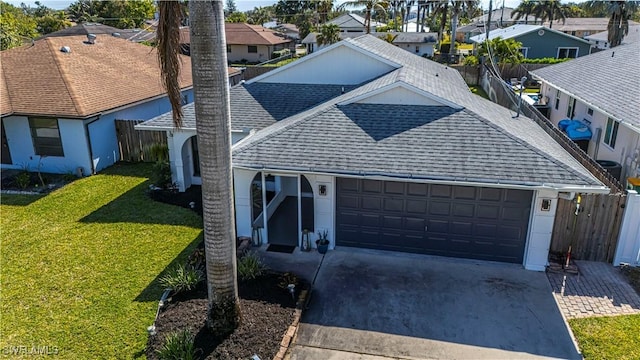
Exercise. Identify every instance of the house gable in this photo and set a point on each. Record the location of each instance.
(400, 93)
(351, 66)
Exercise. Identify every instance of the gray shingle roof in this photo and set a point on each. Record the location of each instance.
(437, 79)
(425, 142)
(608, 80)
(258, 105)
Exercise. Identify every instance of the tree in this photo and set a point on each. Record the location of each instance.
(230, 8)
(549, 10)
(390, 38)
(524, 9)
(619, 14)
(213, 122)
(369, 5)
(458, 7)
(16, 27)
(123, 14)
(48, 20)
(237, 17)
(504, 51)
(260, 15)
(329, 34)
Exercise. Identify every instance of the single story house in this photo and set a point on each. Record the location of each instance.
(354, 23)
(606, 100)
(387, 150)
(62, 95)
(246, 43)
(135, 35)
(582, 27)
(601, 39)
(540, 42)
(421, 44)
(289, 30)
(418, 43)
(500, 18)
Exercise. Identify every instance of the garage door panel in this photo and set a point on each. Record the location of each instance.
(370, 220)
(349, 201)
(464, 210)
(464, 193)
(392, 222)
(371, 203)
(417, 206)
(471, 222)
(439, 208)
(371, 186)
(396, 205)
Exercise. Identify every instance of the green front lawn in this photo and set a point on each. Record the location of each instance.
(615, 337)
(79, 266)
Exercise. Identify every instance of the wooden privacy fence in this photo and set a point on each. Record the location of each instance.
(135, 144)
(592, 231)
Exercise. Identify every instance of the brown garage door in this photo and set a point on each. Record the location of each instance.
(459, 221)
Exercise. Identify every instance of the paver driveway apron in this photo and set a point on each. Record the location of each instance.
(369, 303)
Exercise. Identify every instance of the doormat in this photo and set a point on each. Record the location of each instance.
(287, 249)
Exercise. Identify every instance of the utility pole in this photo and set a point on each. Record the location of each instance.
(488, 26)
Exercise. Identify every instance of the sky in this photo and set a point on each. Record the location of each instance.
(244, 5)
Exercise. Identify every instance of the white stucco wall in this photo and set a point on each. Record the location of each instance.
(351, 68)
(240, 52)
(627, 141)
(540, 230)
(423, 49)
(628, 249)
(74, 145)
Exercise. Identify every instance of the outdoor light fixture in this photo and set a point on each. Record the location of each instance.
(546, 205)
(323, 190)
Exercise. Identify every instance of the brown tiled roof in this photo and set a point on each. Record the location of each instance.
(42, 80)
(244, 34)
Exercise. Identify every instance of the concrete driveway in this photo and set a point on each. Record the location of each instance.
(380, 305)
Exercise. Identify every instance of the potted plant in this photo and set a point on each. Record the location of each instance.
(323, 241)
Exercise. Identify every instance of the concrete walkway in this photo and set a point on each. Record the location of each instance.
(374, 305)
(598, 289)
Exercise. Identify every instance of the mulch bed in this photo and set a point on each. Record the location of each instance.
(267, 311)
(192, 196)
(34, 183)
(633, 275)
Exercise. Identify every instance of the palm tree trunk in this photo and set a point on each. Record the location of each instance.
(454, 29)
(213, 123)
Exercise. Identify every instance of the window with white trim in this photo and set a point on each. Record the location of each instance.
(611, 133)
(46, 136)
(557, 99)
(524, 51)
(567, 52)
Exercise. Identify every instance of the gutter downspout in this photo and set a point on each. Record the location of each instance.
(88, 138)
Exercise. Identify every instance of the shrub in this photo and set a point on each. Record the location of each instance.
(548, 60)
(23, 179)
(178, 345)
(181, 278)
(286, 279)
(159, 152)
(161, 174)
(471, 60)
(250, 267)
(278, 53)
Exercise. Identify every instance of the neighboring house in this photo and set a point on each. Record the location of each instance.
(353, 23)
(247, 43)
(289, 30)
(421, 44)
(412, 26)
(61, 96)
(135, 35)
(500, 18)
(602, 90)
(387, 150)
(582, 27)
(540, 42)
(601, 39)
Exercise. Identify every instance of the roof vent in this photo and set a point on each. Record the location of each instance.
(116, 34)
(65, 49)
(91, 39)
